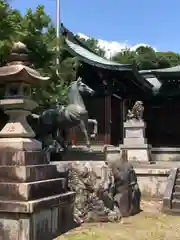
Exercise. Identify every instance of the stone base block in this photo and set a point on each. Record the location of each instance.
(36, 205)
(31, 173)
(47, 223)
(34, 202)
(134, 124)
(166, 154)
(152, 181)
(26, 144)
(138, 153)
(10, 156)
(32, 190)
(138, 140)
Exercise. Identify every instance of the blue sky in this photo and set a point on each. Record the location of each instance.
(153, 22)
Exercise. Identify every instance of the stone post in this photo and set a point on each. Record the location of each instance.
(34, 202)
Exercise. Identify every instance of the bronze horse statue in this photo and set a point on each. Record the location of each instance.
(56, 121)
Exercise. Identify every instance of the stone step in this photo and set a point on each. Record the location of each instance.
(176, 204)
(37, 205)
(174, 212)
(28, 173)
(45, 218)
(178, 175)
(22, 158)
(176, 188)
(176, 195)
(177, 181)
(32, 190)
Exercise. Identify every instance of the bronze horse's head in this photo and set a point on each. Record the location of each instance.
(83, 88)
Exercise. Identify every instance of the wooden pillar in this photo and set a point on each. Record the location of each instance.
(121, 121)
(107, 137)
(125, 108)
(124, 113)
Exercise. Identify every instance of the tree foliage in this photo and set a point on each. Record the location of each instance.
(37, 31)
(148, 58)
(92, 44)
(9, 27)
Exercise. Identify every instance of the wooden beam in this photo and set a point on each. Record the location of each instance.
(107, 136)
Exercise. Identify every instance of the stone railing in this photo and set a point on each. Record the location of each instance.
(167, 199)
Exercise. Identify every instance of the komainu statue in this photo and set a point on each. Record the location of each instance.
(136, 112)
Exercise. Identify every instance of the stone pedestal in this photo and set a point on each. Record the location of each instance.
(17, 110)
(17, 133)
(34, 199)
(135, 142)
(34, 202)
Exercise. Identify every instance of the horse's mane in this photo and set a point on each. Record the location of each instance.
(72, 84)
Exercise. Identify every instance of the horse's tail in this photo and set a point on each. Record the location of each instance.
(35, 124)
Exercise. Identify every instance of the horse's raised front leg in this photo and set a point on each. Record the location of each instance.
(46, 141)
(95, 128)
(84, 130)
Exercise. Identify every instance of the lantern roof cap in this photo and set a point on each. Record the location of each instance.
(19, 69)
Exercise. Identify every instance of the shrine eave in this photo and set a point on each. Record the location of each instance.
(30, 75)
(154, 81)
(91, 58)
(164, 72)
(78, 49)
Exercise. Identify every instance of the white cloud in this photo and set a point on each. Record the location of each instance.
(83, 36)
(113, 47)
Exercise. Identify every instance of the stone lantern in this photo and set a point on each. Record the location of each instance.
(18, 79)
(34, 202)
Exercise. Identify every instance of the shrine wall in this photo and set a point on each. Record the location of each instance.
(163, 129)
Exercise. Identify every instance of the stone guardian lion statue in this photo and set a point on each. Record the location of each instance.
(136, 112)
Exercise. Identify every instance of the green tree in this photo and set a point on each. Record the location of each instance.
(10, 24)
(126, 56)
(147, 58)
(36, 30)
(92, 44)
(169, 59)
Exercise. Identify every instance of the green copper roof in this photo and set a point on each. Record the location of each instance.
(95, 60)
(171, 70)
(159, 77)
(168, 70)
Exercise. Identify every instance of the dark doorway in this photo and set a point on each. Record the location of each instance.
(163, 124)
